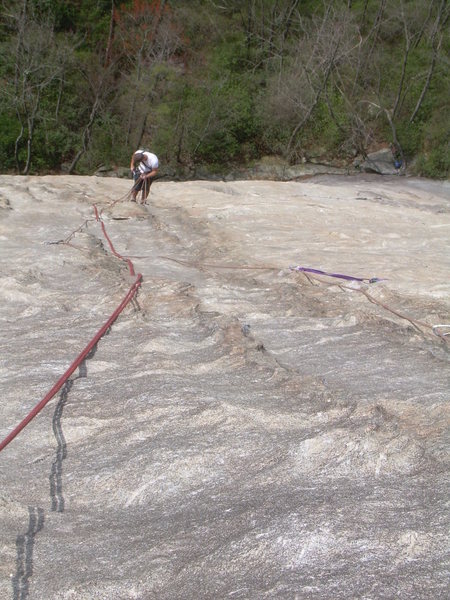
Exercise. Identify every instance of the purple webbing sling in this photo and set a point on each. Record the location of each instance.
(338, 275)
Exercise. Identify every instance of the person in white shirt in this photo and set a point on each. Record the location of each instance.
(144, 166)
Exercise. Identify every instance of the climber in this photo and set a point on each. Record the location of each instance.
(144, 166)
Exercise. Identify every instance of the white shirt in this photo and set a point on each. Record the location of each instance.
(148, 163)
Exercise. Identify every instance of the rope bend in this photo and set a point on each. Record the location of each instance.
(84, 353)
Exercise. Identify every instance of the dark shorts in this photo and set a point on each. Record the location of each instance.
(139, 183)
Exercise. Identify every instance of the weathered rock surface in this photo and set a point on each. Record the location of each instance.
(243, 431)
(269, 168)
(381, 162)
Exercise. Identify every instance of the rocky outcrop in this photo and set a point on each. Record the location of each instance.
(107, 171)
(381, 162)
(243, 430)
(272, 169)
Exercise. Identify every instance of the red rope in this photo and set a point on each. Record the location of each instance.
(77, 362)
(113, 250)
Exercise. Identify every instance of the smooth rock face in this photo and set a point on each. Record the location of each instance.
(381, 162)
(243, 431)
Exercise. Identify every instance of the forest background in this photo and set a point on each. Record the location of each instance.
(83, 83)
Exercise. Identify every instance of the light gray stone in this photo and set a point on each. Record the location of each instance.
(243, 431)
(381, 162)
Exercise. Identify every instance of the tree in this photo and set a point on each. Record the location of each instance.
(318, 44)
(148, 39)
(435, 40)
(37, 57)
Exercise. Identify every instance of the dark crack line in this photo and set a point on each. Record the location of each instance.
(25, 542)
(56, 472)
(56, 487)
(25, 547)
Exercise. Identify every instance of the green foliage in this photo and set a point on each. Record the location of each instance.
(434, 153)
(9, 131)
(52, 144)
(435, 164)
(325, 129)
(218, 115)
(228, 56)
(81, 16)
(220, 83)
(410, 136)
(106, 139)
